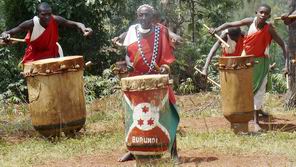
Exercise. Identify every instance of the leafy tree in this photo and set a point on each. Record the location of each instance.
(291, 94)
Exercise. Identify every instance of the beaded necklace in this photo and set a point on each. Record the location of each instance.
(155, 49)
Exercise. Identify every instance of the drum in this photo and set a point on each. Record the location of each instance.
(237, 91)
(146, 103)
(56, 95)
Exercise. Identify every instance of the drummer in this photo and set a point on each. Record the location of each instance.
(257, 43)
(42, 33)
(141, 55)
(234, 37)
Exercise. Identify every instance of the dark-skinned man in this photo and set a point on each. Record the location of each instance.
(256, 43)
(42, 33)
(150, 51)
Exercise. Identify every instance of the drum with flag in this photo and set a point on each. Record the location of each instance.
(150, 125)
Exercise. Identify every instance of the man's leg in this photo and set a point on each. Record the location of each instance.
(126, 157)
(258, 102)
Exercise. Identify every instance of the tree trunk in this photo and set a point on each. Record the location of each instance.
(193, 19)
(291, 94)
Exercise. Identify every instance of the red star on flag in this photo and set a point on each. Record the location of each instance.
(145, 109)
(150, 122)
(140, 122)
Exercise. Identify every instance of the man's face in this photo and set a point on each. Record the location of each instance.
(145, 17)
(263, 14)
(44, 15)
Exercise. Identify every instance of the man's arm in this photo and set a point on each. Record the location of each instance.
(24, 26)
(212, 54)
(243, 22)
(280, 42)
(286, 19)
(68, 23)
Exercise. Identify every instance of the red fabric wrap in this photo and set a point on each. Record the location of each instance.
(165, 55)
(256, 43)
(239, 47)
(44, 46)
(165, 52)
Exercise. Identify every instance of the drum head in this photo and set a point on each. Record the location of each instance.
(145, 82)
(54, 65)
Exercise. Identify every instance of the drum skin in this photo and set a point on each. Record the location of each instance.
(236, 88)
(56, 96)
(146, 91)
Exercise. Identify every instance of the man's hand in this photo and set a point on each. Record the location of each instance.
(212, 31)
(286, 19)
(204, 71)
(87, 32)
(5, 36)
(164, 69)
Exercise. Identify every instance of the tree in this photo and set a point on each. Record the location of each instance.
(291, 94)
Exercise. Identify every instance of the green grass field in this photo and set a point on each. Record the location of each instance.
(21, 145)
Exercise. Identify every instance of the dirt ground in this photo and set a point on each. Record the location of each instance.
(195, 157)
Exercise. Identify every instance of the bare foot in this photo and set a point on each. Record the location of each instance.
(257, 128)
(126, 157)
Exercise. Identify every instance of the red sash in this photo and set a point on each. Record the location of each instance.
(44, 46)
(165, 55)
(238, 48)
(256, 43)
(165, 52)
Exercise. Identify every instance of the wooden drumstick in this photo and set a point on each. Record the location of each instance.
(15, 39)
(88, 64)
(290, 17)
(208, 78)
(217, 36)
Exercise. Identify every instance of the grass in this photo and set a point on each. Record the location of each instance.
(21, 145)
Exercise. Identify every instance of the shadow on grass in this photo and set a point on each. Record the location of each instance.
(167, 161)
(196, 160)
(272, 123)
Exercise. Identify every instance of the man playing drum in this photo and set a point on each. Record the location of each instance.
(43, 34)
(149, 51)
(234, 37)
(257, 43)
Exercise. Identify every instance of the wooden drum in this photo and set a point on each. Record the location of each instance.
(56, 95)
(237, 91)
(145, 103)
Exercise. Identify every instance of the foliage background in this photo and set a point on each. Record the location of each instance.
(109, 18)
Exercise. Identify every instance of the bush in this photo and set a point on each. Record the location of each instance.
(100, 86)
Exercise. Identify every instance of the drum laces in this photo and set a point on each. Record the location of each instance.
(155, 48)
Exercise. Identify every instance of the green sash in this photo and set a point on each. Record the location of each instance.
(259, 72)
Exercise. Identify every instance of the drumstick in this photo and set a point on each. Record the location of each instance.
(290, 17)
(208, 78)
(14, 39)
(217, 36)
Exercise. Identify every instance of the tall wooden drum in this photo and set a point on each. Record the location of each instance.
(56, 95)
(146, 102)
(237, 91)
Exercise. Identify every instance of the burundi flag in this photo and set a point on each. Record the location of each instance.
(151, 121)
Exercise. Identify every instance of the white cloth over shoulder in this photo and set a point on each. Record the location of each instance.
(38, 30)
(131, 35)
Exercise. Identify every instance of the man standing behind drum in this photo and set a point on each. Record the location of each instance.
(257, 43)
(149, 51)
(234, 38)
(43, 34)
